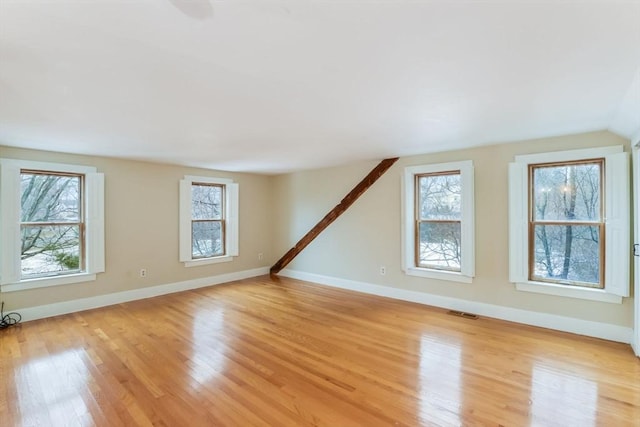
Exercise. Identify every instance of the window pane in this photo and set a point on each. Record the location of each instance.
(440, 245)
(567, 253)
(440, 196)
(50, 250)
(49, 198)
(206, 201)
(567, 192)
(206, 239)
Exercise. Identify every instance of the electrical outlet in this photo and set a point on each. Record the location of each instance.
(383, 270)
(260, 256)
(143, 272)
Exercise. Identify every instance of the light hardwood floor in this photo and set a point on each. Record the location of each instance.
(289, 353)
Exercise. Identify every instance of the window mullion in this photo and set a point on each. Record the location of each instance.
(49, 223)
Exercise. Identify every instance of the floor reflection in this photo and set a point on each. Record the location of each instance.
(55, 385)
(559, 398)
(208, 359)
(440, 388)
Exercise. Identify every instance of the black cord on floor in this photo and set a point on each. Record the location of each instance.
(8, 319)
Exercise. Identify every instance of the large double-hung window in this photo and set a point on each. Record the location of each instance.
(52, 225)
(569, 221)
(566, 223)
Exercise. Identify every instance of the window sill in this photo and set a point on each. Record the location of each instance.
(569, 292)
(45, 282)
(206, 261)
(438, 274)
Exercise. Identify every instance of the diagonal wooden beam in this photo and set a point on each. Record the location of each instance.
(338, 210)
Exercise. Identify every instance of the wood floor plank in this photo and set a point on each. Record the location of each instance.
(281, 352)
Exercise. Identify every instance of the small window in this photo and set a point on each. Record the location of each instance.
(438, 218)
(208, 220)
(51, 224)
(566, 223)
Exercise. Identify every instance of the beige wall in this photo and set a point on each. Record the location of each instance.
(141, 227)
(368, 234)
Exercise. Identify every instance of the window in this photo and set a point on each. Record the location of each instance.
(51, 223)
(566, 223)
(569, 223)
(208, 220)
(438, 221)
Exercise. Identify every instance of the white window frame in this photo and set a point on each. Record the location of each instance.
(467, 223)
(231, 220)
(10, 277)
(617, 220)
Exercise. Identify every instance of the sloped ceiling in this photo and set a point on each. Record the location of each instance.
(277, 86)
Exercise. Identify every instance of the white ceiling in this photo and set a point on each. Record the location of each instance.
(275, 86)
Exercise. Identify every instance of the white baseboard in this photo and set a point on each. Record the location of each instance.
(49, 310)
(551, 321)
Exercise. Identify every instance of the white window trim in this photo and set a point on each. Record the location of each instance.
(467, 222)
(10, 225)
(617, 223)
(231, 220)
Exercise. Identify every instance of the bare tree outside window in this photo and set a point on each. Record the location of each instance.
(51, 223)
(438, 220)
(207, 220)
(566, 223)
